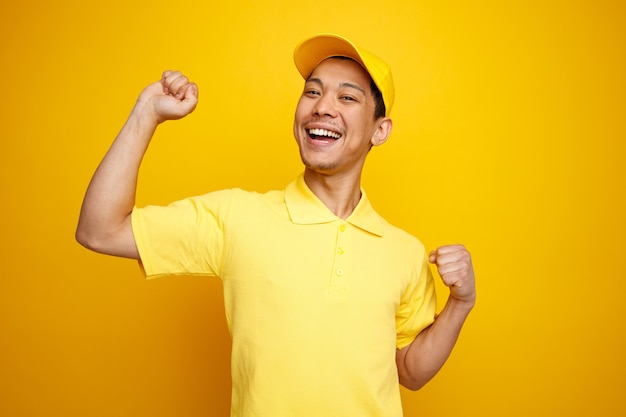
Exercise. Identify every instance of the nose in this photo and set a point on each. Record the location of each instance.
(325, 106)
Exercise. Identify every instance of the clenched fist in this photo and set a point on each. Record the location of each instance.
(454, 265)
(171, 98)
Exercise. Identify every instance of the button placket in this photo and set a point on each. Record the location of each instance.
(338, 284)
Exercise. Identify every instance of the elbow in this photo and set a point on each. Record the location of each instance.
(109, 241)
(84, 237)
(413, 384)
(90, 238)
(80, 235)
(413, 387)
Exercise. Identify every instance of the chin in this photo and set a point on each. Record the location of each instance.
(323, 167)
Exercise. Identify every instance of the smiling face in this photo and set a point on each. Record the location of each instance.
(334, 123)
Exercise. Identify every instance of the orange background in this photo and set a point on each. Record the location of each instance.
(509, 136)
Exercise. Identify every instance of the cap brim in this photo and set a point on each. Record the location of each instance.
(309, 53)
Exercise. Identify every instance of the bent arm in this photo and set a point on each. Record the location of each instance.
(420, 361)
(104, 224)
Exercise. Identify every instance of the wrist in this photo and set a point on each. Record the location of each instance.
(144, 113)
(464, 305)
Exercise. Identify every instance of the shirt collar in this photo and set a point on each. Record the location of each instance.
(305, 208)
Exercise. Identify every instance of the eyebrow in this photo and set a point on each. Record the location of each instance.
(344, 84)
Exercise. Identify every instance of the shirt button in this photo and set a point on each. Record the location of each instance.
(340, 250)
(342, 228)
(340, 272)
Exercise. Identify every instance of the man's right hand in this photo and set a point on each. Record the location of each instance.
(171, 98)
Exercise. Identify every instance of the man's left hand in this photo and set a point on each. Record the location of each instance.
(454, 265)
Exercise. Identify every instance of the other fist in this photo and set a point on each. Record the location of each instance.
(454, 265)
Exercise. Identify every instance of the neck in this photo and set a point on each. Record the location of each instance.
(341, 193)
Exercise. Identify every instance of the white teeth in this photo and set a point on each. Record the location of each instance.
(324, 132)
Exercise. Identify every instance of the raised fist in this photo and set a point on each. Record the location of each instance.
(171, 98)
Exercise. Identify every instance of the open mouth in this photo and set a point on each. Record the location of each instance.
(323, 134)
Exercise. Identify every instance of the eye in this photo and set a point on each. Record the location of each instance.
(311, 92)
(347, 98)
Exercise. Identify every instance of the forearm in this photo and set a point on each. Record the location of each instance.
(423, 358)
(110, 197)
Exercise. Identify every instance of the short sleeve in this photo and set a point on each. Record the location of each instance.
(183, 238)
(417, 307)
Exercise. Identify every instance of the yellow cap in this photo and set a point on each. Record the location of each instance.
(310, 52)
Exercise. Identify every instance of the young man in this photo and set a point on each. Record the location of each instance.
(329, 306)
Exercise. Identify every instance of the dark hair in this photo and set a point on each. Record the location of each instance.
(379, 109)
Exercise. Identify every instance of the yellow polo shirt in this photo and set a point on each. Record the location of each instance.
(316, 305)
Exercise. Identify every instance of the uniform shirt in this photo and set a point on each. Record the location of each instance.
(316, 305)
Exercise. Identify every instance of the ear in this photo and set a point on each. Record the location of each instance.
(383, 130)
